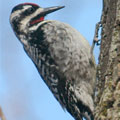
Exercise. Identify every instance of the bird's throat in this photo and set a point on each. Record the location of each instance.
(37, 20)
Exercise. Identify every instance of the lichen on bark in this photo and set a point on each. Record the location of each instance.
(108, 73)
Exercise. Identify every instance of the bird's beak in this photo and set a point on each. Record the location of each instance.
(52, 9)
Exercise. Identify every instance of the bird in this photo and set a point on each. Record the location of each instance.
(61, 55)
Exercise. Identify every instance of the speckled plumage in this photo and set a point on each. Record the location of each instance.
(63, 59)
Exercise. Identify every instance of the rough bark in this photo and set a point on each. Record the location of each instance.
(108, 73)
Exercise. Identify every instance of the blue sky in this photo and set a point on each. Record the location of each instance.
(23, 94)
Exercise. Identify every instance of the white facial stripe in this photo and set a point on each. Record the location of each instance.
(28, 18)
(26, 7)
(34, 27)
(18, 12)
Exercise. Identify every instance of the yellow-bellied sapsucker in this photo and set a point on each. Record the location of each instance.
(61, 55)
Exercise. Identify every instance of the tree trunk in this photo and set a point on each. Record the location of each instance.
(108, 73)
(2, 117)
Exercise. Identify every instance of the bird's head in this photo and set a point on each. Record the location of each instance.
(28, 14)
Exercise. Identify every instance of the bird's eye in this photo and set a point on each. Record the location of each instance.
(28, 11)
(31, 9)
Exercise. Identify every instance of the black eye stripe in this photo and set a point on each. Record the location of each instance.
(28, 11)
(20, 7)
